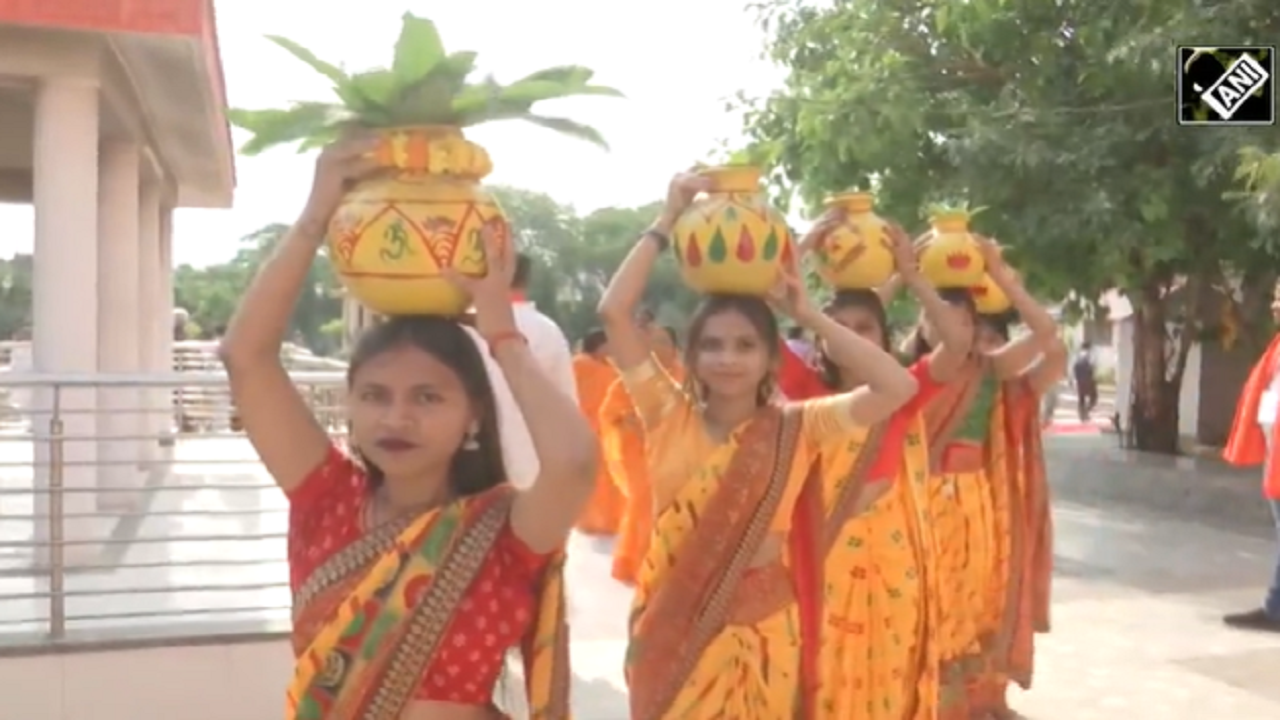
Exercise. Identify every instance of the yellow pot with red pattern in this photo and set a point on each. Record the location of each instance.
(392, 236)
(988, 298)
(855, 255)
(950, 257)
(731, 240)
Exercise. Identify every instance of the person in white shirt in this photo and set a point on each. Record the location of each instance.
(551, 349)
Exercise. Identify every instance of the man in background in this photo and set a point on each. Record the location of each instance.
(1086, 377)
(550, 349)
(546, 340)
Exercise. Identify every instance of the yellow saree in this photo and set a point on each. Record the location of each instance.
(878, 660)
(711, 637)
(959, 422)
(368, 622)
(1019, 603)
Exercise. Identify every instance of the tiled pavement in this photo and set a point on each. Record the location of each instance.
(1137, 597)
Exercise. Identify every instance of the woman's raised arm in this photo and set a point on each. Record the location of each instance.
(1042, 347)
(888, 385)
(543, 514)
(277, 420)
(629, 346)
(955, 339)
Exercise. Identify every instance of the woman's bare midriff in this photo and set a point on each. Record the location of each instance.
(432, 710)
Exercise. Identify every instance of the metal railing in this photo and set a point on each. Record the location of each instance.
(131, 507)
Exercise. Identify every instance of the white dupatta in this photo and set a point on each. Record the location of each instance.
(518, 455)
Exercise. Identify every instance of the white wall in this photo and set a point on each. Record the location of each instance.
(213, 682)
(1188, 398)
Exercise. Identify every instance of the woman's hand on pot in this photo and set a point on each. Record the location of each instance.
(905, 258)
(490, 293)
(827, 222)
(991, 252)
(341, 165)
(681, 191)
(789, 295)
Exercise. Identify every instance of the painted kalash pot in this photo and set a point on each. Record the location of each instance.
(855, 254)
(989, 299)
(950, 257)
(392, 237)
(731, 241)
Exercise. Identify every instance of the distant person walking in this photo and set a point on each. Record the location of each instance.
(1086, 377)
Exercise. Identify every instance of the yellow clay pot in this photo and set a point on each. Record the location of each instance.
(391, 237)
(989, 298)
(731, 240)
(856, 254)
(950, 257)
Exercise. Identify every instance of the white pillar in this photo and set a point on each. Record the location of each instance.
(155, 420)
(164, 317)
(65, 295)
(119, 321)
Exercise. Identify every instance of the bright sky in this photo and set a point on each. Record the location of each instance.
(678, 61)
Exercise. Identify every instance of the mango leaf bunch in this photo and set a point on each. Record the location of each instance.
(425, 85)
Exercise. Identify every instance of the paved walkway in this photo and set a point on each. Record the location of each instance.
(1136, 605)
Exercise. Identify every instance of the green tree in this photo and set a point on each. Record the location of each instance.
(1060, 117)
(211, 293)
(15, 295)
(574, 258)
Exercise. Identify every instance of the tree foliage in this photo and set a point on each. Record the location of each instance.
(574, 257)
(1058, 116)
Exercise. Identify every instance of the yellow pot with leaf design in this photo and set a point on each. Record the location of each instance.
(855, 255)
(989, 299)
(950, 257)
(731, 240)
(392, 237)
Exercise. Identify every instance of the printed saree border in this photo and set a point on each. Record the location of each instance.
(678, 623)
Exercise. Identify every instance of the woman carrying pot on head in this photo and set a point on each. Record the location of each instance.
(716, 623)
(878, 658)
(988, 499)
(414, 566)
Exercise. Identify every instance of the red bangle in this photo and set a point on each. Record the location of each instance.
(496, 339)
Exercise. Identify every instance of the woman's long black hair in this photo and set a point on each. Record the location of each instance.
(761, 317)
(862, 299)
(471, 471)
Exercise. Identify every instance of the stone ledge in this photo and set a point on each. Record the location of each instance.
(176, 634)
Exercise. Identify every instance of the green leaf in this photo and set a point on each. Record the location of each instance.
(570, 128)
(303, 121)
(477, 97)
(461, 63)
(533, 91)
(378, 88)
(562, 74)
(418, 50)
(333, 72)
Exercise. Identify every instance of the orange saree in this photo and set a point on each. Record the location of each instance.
(604, 511)
(622, 436)
(1245, 445)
